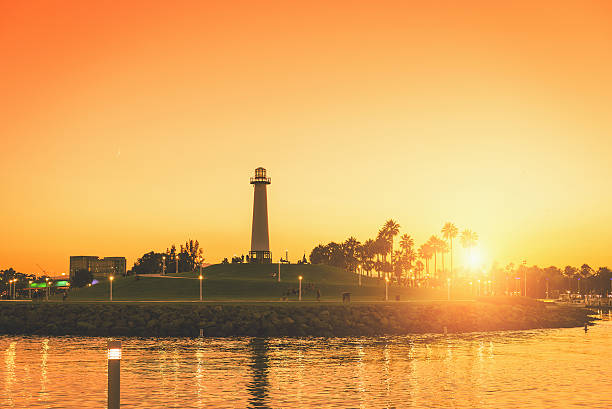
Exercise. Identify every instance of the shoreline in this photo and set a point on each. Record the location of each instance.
(282, 319)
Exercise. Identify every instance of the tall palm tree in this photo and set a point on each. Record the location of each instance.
(468, 240)
(434, 243)
(406, 242)
(426, 253)
(391, 228)
(449, 232)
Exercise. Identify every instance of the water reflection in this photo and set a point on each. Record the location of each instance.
(259, 365)
(527, 369)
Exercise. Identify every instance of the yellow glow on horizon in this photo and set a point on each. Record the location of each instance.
(115, 147)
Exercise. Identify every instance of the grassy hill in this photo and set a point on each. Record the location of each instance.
(244, 282)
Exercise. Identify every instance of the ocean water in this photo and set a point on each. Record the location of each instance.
(551, 368)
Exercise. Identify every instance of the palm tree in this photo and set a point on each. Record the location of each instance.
(434, 243)
(391, 229)
(425, 253)
(468, 240)
(449, 232)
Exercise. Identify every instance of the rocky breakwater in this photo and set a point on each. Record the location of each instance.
(284, 319)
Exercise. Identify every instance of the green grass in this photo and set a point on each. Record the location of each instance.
(249, 282)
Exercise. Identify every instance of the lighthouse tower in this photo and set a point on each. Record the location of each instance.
(260, 241)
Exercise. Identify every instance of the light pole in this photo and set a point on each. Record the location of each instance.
(386, 288)
(111, 278)
(490, 288)
(300, 292)
(200, 278)
(114, 374)
(471, 289)
(525, 271)
(279, 271)
(448, 283)
(30, 289)
(478, 291)
(10, 289)
(359, 269)
(163, 265)
(287, 256)
(177, 259)
(47, 281)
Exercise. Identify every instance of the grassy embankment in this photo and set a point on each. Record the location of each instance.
(250, 282)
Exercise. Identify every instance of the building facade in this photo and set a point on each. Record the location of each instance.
(100, 267)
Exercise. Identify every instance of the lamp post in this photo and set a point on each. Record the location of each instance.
(163, 265)
(448, 283)
(177, 259)
(300, 291)
(10, 289)
(30, 289)
(478, 290)
(490, 288)
(525, 272)
(114, 374)
(111, 278)
(386, 288)
(47, 285)
(287, 256)
(359, 270)
(471, 289)
(279, 271)
(201, 278)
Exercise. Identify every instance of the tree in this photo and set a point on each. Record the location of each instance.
(349, 250)
(391, 229)
(81, 278)
(149, 263)
(449, 232)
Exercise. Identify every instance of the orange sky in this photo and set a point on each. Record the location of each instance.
(127, 127)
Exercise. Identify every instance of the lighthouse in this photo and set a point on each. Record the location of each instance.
(260, 241)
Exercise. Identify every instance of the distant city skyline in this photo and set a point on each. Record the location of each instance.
(127, 128)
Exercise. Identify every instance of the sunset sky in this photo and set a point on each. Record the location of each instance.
(127, 126)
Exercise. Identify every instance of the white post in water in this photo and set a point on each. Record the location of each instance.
(111, 278)
(201, 278)
(114, 374)
(300, 292)
(386, 288)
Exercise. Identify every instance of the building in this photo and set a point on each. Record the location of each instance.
(100, 267)
(260, 241)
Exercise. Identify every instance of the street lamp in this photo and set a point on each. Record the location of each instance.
(448, 283)
(201, 278)
(163, 265)
(279, 263)
(111, 278)
(489, 291)
(300, 292)
(386, 288)
(287, 256)
(47, 285)
(30, 288)
(359, 269)
(177, 259)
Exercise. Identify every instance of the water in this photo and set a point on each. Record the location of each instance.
(516, 369)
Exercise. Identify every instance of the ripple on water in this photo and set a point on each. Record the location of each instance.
(507, 369)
